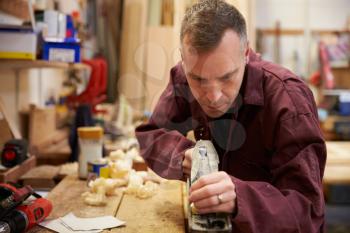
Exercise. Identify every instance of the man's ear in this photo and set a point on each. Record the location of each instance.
(246, 53)
(182, 58)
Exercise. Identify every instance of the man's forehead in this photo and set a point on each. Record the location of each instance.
(216, 63)
(215, 75)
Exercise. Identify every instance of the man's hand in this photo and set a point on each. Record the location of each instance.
(214, 193)
(187, 163)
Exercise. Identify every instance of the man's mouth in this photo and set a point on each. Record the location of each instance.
(215, 107)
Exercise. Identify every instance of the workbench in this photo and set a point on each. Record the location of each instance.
(338, 163)
(164, 211)
(336, 179)
(161, 213)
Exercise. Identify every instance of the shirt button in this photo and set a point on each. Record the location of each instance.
(201, 132)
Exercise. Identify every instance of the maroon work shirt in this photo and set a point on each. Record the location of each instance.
(271, 145)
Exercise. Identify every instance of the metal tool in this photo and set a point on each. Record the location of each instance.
(16, 216)
(205, 160)
(25, 216)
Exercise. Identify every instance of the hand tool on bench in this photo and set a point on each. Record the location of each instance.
(205, 160)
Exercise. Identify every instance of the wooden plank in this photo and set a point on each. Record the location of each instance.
(25, 64)
(14, 173)
(55, 138)
(41, 177)
(54, 154)
(66, 197)
(131, 81)
(8, 128)
(5, 132)
(300, 32)
(338, 152)
(159, 60)
(42, 123)
(337, 174)
(160, 213)
(17, 8)
(274, 32)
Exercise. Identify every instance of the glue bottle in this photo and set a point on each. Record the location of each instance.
(90, 143)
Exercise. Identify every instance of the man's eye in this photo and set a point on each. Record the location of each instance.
(225, 78)
(200, 80)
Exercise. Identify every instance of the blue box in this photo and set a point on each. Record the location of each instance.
(344, 104)
(61, 50)
(344, 108)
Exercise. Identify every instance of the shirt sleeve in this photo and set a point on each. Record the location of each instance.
(293, 200)
(162, 140)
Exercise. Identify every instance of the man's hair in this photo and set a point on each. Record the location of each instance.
(206, 21)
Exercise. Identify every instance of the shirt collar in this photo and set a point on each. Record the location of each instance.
(252, 84)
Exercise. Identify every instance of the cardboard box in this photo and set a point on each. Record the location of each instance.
(18, 44)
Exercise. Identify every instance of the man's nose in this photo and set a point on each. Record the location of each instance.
(213, 95)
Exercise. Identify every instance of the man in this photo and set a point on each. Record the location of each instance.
(260, 117)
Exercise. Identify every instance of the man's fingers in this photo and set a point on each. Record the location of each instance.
(187, 172)
(188, 154)
(214, 200)
(226, 207)
(187, 162)
(207, 191)
(208, 179)
(213, 193)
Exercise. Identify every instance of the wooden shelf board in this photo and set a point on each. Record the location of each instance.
(335, 91)
(273, 31)
(29, 64)
(296, 32)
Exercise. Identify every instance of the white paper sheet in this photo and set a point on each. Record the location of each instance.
(58, 226)
(72, 224)
(84, 224)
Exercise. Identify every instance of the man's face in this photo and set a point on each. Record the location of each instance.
(215, 77)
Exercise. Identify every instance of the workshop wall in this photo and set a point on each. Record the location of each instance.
(298, 51)
(35, 86)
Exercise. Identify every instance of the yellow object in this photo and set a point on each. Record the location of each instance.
(17, 55)
(90, 132)
(104, 172)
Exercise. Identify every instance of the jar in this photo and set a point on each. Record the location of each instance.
(90, 143)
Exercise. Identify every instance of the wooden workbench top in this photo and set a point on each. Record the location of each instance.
(164, 211)
(160, 213)
(338, 152)
(337, 169)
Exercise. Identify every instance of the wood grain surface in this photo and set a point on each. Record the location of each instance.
(160, 213)
(66, 197)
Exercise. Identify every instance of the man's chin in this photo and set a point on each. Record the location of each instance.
(213, 113)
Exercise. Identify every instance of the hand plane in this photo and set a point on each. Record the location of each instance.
(205, 160)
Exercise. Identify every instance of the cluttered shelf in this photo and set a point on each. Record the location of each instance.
(28, 64)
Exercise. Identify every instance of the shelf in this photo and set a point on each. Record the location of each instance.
(29, 64)
(298, 32)
(344, 65)
(335, 92)
(274, 31)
